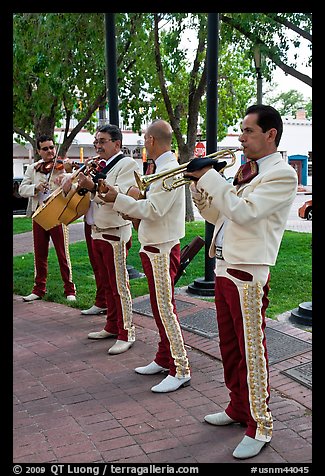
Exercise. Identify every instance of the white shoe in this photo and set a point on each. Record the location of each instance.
(31, 297)
(100, 335)
(219, 419)
(150, 369)
(170, 384)
(248, 447)
(94, 310)
(119, 347)
(71, 297)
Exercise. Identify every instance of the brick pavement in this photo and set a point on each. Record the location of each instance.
(74, 403)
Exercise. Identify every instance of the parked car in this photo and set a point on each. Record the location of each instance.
(306, 210)
(20, 203)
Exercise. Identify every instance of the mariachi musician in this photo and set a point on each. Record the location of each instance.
(111, 235)
(162, 225)
(249, 218)
(40, 179)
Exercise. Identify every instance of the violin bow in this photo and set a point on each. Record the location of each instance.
(55, 157)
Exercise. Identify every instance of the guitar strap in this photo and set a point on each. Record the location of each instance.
(103, 173)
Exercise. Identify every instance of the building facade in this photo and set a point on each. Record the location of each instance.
(295, 146)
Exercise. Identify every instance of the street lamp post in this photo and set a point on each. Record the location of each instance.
(112, 90)
(257, 60)
(205, 286)
(111, 69)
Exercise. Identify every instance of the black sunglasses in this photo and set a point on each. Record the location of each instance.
(102, 141)
(47, 148)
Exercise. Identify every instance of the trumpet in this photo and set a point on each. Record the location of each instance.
(143, 181)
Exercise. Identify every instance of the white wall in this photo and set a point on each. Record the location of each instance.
(296, 139)
(83, 140)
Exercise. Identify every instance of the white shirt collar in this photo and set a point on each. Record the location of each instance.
(163, 158)
(259, 161)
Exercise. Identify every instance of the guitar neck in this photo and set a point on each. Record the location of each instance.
(77, 172)
(57, 191)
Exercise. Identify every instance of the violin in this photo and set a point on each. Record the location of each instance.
(45, 167)
(58, 164)
(68, 165)
(97, 175)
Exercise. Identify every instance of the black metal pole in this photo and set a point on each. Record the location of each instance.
(111, 69)
(112, 90)
(205, 286)
(259, 87)
(257, 61)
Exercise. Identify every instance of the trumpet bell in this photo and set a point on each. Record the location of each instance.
(143, 181)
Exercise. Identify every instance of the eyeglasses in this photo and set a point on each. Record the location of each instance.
(47, 148)
(102, 141)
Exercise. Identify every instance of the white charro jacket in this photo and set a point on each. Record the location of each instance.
(257, 212)
(162, 213)
(32, 179)
(121, 175)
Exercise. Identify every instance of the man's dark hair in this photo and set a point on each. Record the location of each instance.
(267, 118)
(112, 130)
(43, 138)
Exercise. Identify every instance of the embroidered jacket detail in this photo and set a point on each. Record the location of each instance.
(160, 266)
(65, 230)
(256, 363)
(122, 281)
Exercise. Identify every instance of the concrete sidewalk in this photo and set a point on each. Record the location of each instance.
(74, 403)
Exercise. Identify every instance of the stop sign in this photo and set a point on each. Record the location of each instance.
(199, 150)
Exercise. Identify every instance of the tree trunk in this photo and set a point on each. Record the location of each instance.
(189, 213)
(184, 158)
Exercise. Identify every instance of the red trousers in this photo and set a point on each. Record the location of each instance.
(160, 270)
(100, 299)
(241, 302)
(60, 238)
(112, 270)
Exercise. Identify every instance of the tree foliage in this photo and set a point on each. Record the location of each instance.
(275, 33)
(287, 103)
(55, 71)
(59, 69)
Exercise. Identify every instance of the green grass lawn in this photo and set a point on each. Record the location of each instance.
(291, 277)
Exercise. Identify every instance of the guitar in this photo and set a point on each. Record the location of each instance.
(57, 208)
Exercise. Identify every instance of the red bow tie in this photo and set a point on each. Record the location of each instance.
(45, 167)
(151, 167)
(246, 172)
(101, 165)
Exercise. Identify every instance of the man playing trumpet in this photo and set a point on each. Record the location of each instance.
(249, 218)
(162, 225)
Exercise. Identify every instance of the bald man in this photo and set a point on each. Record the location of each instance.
(162, 225)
